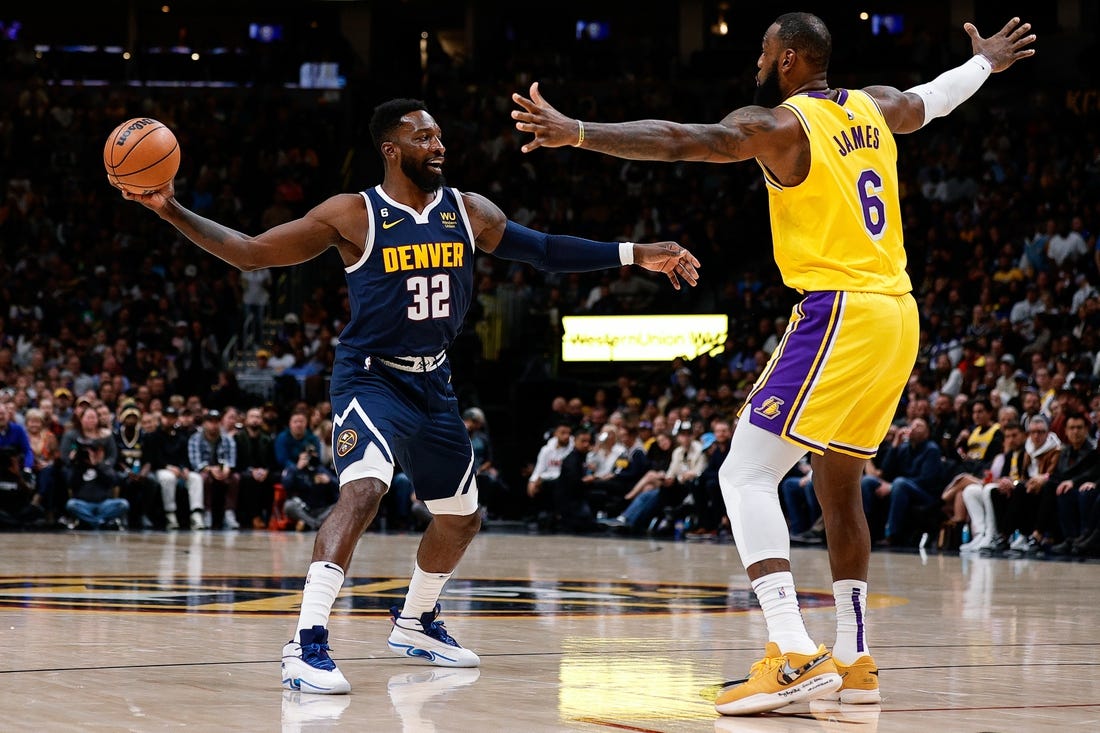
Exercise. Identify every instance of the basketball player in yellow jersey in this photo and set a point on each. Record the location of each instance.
(834, 382)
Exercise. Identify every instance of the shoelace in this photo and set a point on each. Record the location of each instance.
(437, 631)
(764, 666)
(316, 655)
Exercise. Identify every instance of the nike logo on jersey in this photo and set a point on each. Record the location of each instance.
(391, 224)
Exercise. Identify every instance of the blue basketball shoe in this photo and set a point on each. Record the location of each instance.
(427, 639)
(307, 667)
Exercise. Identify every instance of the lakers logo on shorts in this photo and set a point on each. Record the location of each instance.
(770, 409)
(345, 442)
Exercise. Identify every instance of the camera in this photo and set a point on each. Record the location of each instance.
(314, 459)
(82, 454)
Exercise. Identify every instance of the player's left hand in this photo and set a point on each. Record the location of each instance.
(1005, 47)
(551, 128)
(669, 258)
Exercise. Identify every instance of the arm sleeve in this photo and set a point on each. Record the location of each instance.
(953, 87)
(560, 252)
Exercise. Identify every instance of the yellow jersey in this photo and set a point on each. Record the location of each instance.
(840, 229)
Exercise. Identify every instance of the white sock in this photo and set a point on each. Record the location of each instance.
(323, 581)
(424, 590)
(779, 602)
(851, 620)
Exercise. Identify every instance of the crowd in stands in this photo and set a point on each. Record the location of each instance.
(159, 387)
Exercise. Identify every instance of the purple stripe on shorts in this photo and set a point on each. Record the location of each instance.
(775, 399)
(859, 620)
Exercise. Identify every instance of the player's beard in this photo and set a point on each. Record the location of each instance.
(768, 93)
(425, 179)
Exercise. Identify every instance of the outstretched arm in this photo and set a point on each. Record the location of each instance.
(327, 224)
(744, 133)
(493, 232)
(914, 108)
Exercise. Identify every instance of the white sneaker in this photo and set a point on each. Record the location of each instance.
(973, 545)
(427, 639)
(1020, 543)
(197, 520)
(307, 667)
(173, 522)
(230, 520)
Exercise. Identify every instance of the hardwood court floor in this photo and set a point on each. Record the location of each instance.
(157, 631)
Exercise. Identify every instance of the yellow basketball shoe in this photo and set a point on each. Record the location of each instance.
(780, 679)
(859, 682)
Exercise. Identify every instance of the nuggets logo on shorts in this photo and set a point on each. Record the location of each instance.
(345, 442)
(770, 408)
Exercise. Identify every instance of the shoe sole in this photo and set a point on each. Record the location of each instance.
(854, 697)
(812, 689)
(406, 645)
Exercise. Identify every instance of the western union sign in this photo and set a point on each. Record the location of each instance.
(642, 338)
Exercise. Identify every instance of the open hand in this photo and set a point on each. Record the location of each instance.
(669, 258)
(1005, 47)
(551, 128)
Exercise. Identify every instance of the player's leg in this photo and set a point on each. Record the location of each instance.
(367, 424)
(793, 668)
(875, 379)
(837, 485)
(307, 665)
(440, 465)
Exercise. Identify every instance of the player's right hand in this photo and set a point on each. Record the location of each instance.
(551, 128)
(155, 201)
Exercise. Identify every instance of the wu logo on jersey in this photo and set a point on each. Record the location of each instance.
(345, 442)
(770, 409)
(449, 219)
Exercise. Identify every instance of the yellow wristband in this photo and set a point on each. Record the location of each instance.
(580, 133)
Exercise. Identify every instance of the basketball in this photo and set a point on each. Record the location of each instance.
(141, 155)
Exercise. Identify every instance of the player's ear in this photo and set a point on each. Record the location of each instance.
(389, 149)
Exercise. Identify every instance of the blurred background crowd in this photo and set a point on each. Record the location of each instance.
(104, 308)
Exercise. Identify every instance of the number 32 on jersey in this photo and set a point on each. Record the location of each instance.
(431, 296)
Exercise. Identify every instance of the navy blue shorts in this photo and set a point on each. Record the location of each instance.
(385, 417)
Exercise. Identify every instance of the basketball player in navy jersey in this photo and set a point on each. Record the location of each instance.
(408, 250)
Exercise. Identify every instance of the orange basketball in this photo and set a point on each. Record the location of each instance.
(141, 155)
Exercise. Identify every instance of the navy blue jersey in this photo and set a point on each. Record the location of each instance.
(410, 291)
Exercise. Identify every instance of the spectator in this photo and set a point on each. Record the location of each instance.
(93, 489)
(46, 450)
(606, 494)
(644, 499)
(911, 476)
(135, 471)
(257, 470)
(1052, 497)
(976, 447)
(172, 467)
(213, 456)
(493, 492)
(293, 442)
(311, 488)
(796, 490)
(987, 501)
(570, 511)
(540, 486)
(710, 508)
(14, 435)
